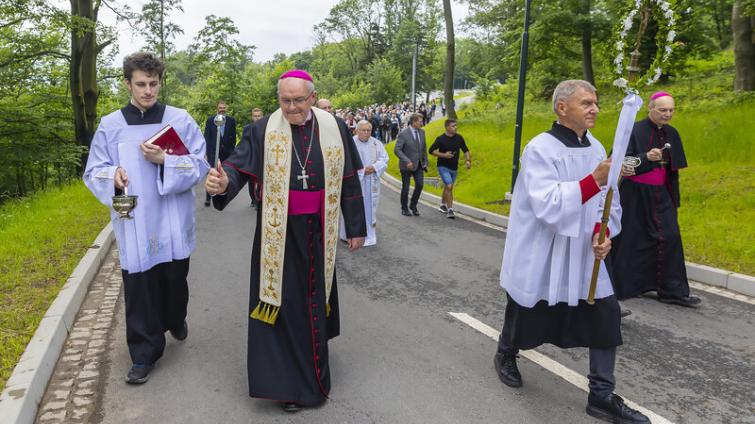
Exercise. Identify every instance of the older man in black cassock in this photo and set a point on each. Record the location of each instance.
(306, 164)
(648, 254)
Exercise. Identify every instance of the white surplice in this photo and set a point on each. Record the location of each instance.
(163, 226)
(548, 252)
(372, 152)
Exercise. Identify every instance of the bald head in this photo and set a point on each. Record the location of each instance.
(325, 105)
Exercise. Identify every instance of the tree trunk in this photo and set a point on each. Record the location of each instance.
(587, 71)
(84, 90)
(743, 28)
(448, 83)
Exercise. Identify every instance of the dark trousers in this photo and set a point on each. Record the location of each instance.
(156, 302)
(602, 361)
(419, 182)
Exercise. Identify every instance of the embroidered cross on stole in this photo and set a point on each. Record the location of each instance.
(277, 168)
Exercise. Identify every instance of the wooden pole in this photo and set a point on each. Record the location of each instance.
(601, 239)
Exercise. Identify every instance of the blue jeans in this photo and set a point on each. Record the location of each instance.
(447, 175)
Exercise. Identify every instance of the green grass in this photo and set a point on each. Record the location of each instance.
(717, 214)
(462, 94)
(42, 239)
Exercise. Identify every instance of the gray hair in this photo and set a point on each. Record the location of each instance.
(310, 86)
(364, 122)
(565, 89)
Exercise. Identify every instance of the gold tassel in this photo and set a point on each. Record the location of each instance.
(327, 309)
(265, 312)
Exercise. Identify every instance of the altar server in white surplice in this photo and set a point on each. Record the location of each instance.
(155, 245)
(551, 245)
(375, 161)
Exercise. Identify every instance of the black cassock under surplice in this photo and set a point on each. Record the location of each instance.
(288, 361)
(648, 255)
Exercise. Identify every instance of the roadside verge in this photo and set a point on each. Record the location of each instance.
(739, 283)
(26, 386)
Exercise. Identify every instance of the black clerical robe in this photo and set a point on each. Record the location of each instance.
(648, 254)
(288, 361)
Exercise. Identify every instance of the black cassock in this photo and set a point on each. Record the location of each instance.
(288, 361)
(647, 255)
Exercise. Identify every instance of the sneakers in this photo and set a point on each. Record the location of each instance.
(508, 372)
(612, 409)
(443, 208)
(138, 374)
(450, 214)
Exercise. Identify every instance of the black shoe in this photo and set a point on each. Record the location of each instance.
(138, 374)
(180, 333)
(450, 214)
(406, 212)
(443, 208)
(688, 301)
(415, 212)
(613, 409)
(625, 312)
(207, 203)
(508, 372)
(291, 407)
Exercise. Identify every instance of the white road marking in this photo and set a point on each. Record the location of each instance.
(549, 364)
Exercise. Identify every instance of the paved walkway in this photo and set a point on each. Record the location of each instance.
(401, 358)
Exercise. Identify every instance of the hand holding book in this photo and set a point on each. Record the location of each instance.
(169, 140)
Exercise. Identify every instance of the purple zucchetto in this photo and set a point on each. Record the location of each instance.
(297, 73)
(659, 94)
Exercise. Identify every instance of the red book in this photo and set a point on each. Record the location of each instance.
(168, 139)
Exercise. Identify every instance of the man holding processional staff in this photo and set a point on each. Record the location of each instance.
(551, 243)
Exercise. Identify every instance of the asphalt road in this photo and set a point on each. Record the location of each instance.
(401, 358)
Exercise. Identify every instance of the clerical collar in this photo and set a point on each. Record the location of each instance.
(310, 115)
(134, 116)
(653, 124)
(568, 137)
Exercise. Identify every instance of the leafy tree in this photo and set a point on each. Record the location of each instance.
(448, 84)
(159, 32)
(385, 80)
(743, 27)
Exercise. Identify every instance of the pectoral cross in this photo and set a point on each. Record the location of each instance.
(303, 177)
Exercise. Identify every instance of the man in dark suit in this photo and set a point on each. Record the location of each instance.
(412, 155)
(227, 138)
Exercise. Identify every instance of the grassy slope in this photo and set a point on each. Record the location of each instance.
(717, 215)
(42, 239)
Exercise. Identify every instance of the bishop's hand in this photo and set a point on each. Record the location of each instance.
(654, 155)
(217, 181)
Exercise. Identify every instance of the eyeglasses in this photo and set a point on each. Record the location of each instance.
(299, 101)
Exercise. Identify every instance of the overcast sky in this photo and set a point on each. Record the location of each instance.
(273, 26)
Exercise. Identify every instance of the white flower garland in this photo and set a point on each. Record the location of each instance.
(664, 39)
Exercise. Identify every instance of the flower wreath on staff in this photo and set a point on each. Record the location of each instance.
(662, 11)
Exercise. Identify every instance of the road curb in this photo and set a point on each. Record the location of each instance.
(739, 283)
(27, 384)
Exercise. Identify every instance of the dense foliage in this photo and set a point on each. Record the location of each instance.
(363, 55)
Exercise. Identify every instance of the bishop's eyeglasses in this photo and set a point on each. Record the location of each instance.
(298, 101)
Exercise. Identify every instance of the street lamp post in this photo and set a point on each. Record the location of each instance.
(520, 98)
(414, 76)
